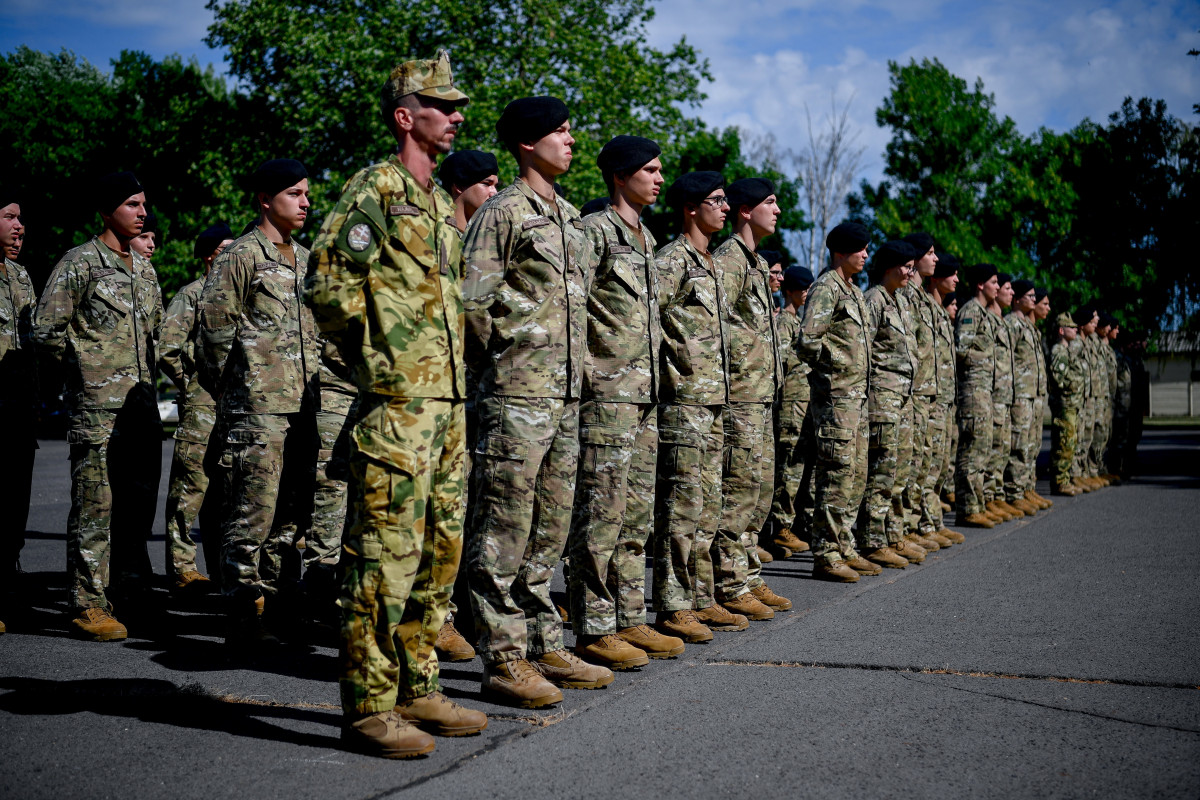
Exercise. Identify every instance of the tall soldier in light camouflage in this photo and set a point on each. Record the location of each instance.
(99, 317)
(1027, 374)
(748, 477)
(1087, 317)
(791, 505)
(260, 362)
(527, 263)
(975, 346)
(18, 391)
(941, 427)
(835, 342)
(881, 524)
(694, 388)
(384, 288)
(188, 495)
(618, 420)
(1002, 397)
(1066, 394)
(1041, 310)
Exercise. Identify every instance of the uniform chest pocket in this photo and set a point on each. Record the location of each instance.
(269, 303)
(107, 307)
(624, 274)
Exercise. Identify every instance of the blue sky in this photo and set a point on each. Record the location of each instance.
(1048, 63)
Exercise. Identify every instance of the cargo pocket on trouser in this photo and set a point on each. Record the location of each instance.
(390, 501)
(833, 445)
(501, 510)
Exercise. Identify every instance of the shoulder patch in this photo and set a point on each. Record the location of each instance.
(967, 320)
(577, 224)
(358, 238)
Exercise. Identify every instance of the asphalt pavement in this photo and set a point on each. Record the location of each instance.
(1050, 657)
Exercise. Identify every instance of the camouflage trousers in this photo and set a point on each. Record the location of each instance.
(931, 476)
(1062, 445)
(115, 467)
(791, 503)
(747, 484)
(1101, 432)
(402, 547)
(840, 473)
(1001, 447)
(914, 470)
(1085, 426)
(951, 455)
(16, 484)
(522, 493)
(1118, 441)
(889, 441)
(188, 494)
(973, 459)
(323, 539)
(273, 460)
(691, 443)
(1022, 455)
(612, 520)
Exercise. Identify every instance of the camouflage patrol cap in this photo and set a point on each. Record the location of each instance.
(1064, 320)
(428, 77)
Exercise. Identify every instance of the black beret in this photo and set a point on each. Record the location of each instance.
(797, 278)
(693, 187)
(951, 297)
(626, 154)
(947, 265)
(114, 189)
(1106, 320)
(1021, 288)
(1083, 315)
(8, 197)
(980, 273)
(592, 206)
(251, 225)
(273, 176)
(921, 242)
(772, 257)
(150, 224)
(210, 239)
(748, 192)
(892, 254)
(1003, 278)
(530, 118)
(1039, 292)
(848, 237)
(465, 168)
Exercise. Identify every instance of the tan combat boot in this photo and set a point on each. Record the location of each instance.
(386, 735)
(97, 625)
(441, 716)
(719, 618)
(452, 645)
(191, 583)
(763, 594)
(942, 541)
(950, 498)
(837, 572)
(1028, 507)
(749, 607)
(2, 628)
(997, 511)
(610, 651)
(564, 668)
(1036, 499)
(954, 536)
(912, 553)
(1066, 489)
(977, 520)
(1082, 485)
(946, 507)
(1011, 510)
(651, 642)
(763, 556)
(886, 557)
(925, 543)
(862, 566)
(684, 625)
(785, 538)
(518, 683)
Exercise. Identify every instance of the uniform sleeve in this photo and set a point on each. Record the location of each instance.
(485, 256)
(874, 303)
(220, 308)
(970, 335)
(56, 308)
(818, 315)
(176, 353)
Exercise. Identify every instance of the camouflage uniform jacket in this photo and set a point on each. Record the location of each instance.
(922, 310)
(1002, 359)
(1067, 374)
(1099, 367)
(18, 369)
(943, 352)
(892, 361)
(624, 332)
(177, 346)
(257, 336)
(693, 365)
(1043, 370)
(975, 347)
(1110, 362)
(385, 288)
(526, 263)
(834, 339)
(1123, 387)
(1027, 364)
(795, 370)
(1079, 352)
(100, 319)
(754, 369)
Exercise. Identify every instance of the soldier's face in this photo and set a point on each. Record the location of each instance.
(12, 230)
(710, 213)
(288, 209)
(1112, 333)
(857, 262)
(126, 219)
(1043, 307)
(642, 187)
(477, 194)
(1068, 334)
(990, 289)
(926, 263)
(552, 153)
(764, 216)
(952, 309)
(946, 285)
(1089, 327)
(435, 124)
(1005, 295)
(776, 277)
(1025, 303)
(143, 244)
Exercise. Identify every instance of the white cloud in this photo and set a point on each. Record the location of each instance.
(177, 25)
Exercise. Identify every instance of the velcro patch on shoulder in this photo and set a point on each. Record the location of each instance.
(534, 222)
(619, 249)
(357, 238)
(967, 320)
(577, 223)
(404, 210)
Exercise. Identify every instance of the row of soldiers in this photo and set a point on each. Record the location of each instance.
(626, 403)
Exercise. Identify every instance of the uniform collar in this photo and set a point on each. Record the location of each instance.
(626, 234)
(428, 201)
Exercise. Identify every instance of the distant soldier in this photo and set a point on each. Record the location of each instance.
(261, 357)
(834, 341)
(1099, 353)
(975, 349)
(791, 506)
(471, 177)
(1066, 393)
(1027, 376)
(394, 314)
(527, 262)
(694, 381)
(192, 464)
(748, 477)
(1088, 317)
(18, 392)
(1041, 311)
(1002, 397)
(99, 317)
(1109, 352)
(149, 240)
(943, 430)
